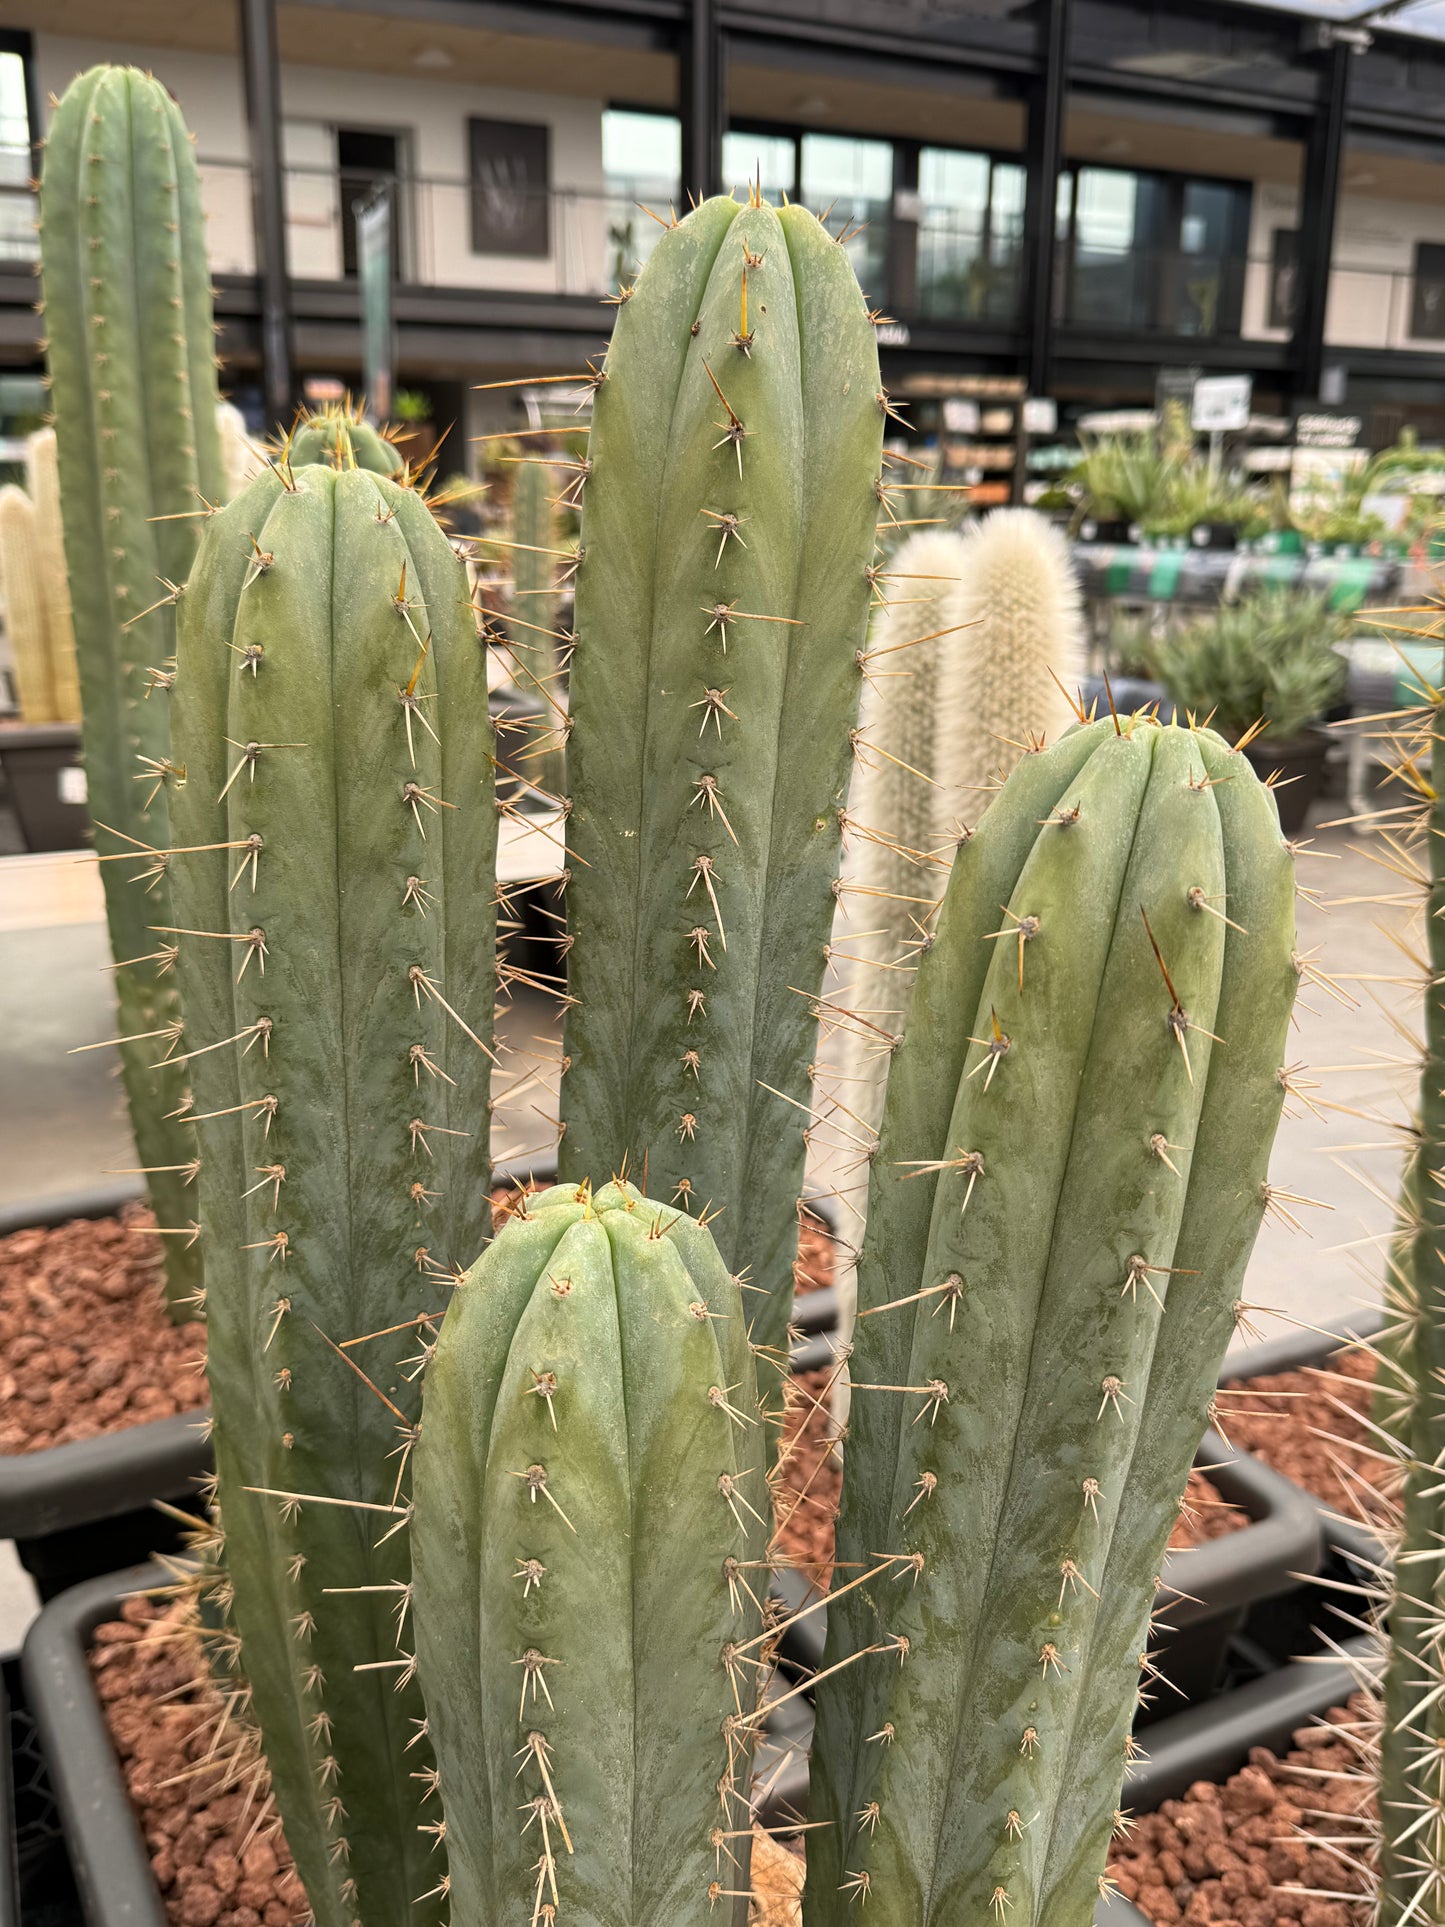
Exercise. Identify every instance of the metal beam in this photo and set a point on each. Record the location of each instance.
(1044, 154)
(701, 87)
(260, 61)
(1319, 204)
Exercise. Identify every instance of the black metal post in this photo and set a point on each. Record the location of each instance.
(262, 68)
(1319, 203)
(902, 266)
(1044, 154)
(701, 87)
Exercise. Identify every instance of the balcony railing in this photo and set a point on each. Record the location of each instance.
(946, 267)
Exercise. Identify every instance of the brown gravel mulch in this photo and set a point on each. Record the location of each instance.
(212, 1865)
(1228, 1856)
(86, 1346)
(1311, 1427)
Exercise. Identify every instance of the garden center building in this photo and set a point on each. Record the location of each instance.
(1054, 197)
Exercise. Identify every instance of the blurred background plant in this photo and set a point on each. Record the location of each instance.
(1273, 654)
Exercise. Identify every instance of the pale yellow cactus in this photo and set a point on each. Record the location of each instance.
(43, 474)
(25, 607)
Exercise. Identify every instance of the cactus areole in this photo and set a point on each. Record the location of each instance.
(588, 1540)
(1071, 1174)
(722, 600)
(335, 925)
(130, 353)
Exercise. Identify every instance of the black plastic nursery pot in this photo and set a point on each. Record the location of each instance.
(37, 1888)
(1214, 1741)
(46, 782)
(107, 1853)
(86, 1508)
(112, 1871)
(1352, 1552)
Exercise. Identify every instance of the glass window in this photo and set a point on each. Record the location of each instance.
(968, 235)
(774, 155)
(853, 179)
(18, 240)
(642, 162)
(642, 151)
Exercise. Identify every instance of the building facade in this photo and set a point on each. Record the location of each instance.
(1065, 196)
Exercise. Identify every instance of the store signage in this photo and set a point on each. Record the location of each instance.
(1221, 404)
(1327, 428)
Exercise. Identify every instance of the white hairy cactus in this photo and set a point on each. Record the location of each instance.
(25, 608)
(959, 683)
(42, 474)
(241, 461)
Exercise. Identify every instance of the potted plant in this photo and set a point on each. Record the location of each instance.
(1270, 660)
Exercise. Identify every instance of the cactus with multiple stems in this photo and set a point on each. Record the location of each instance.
(131, 358)
(333, 873)
(1069, 1181)
(589, 1528)
(1070, 1175)
(723, 583)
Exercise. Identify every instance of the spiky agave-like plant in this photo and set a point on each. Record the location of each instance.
(1071, 1175)
(335, 924)
(723, 582)
(131, 360)
(587, 1536)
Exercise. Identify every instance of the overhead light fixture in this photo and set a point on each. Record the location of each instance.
(813, 104)
(1364, 179)
(433, 57)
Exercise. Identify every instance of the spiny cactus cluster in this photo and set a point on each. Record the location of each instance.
(1069, 1174)
(131, 362)
(334, 919)
(723, 584)
(589, 1546)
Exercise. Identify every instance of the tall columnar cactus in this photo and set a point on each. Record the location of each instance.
(42, 477)
(24, 594)
(342, 437)
(532, 628)
(333, 911)
(1070, 1179)
(1411, 1776)
(130, 351)
(587, 1536)
(723, 585)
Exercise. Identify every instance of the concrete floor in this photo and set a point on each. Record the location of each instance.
(62, 1124)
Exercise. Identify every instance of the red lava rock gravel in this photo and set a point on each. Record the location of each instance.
(213, 1865)
(1228, 1856)
(1311, 1427)
(85, 1343)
